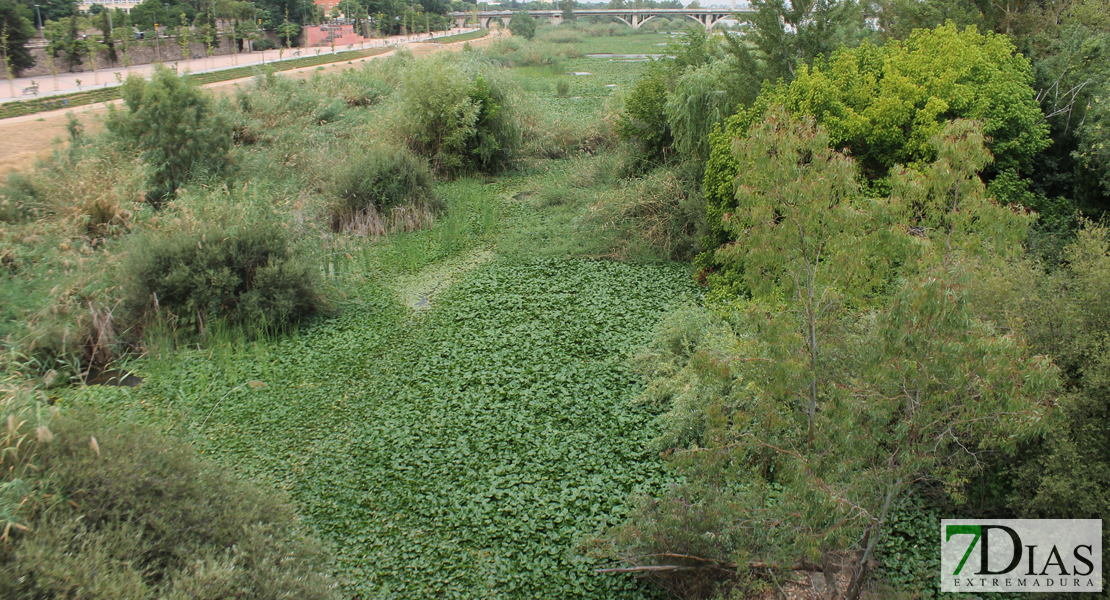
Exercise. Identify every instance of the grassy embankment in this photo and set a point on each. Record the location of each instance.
(464, 448)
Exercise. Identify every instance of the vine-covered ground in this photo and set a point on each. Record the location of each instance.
(465, 450)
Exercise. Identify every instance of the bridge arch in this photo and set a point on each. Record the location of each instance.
(691, 17)
(622, 20)
(502, 20)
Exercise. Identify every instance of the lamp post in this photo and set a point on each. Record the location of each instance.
(166, 5)
(39, 15)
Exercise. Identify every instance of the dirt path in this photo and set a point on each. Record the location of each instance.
(28, 138)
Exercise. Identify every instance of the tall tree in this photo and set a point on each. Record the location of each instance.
(523, 25)
(788, 34)
(51, 10)
(793, 227)
(107, 39)
(17, 30)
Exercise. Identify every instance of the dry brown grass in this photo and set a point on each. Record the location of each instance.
(372, 224)
(96, 194)
(651, 212)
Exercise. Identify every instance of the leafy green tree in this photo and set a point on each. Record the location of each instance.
(1072, 74)
(172, 123)
(145, 15)
(886, 104)
(16, 30)
(1065, 314)
(899, 18)
(860, 95)
(793, 226)
(567, 6)
(107, 41)
(704, 97)
(206, 30)
(51, 10)
(523, 25)
(72, 45)
(788, 34)
(184, 37)
(288, 30)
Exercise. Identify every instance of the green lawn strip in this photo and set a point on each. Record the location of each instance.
(27, 107)
(459, 37)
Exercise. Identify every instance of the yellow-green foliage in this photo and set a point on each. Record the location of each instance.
(886, 104)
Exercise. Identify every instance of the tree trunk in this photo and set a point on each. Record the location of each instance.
(871, 539)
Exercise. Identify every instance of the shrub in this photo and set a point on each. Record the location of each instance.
(264, 44)
(140, 516)
(644, 119)
(380, 179)
(562, 88)
(173, 124)
(460, 114)
(245, 276)
(94, 189)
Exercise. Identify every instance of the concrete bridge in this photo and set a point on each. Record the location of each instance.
(634, 18)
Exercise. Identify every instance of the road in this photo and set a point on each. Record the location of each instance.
(66, 83)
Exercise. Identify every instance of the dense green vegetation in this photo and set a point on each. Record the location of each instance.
(502, 322)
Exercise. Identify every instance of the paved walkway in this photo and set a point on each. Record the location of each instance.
(66, 83)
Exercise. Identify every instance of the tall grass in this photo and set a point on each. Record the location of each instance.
(24, 423)
(515, 52)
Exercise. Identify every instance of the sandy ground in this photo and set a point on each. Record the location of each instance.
(26, 139)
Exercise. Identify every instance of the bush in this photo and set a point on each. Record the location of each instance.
(264, 44)
(140, 516)
(172, 123)
(460, 114)
(246, 277)
(378, 180)
(562, 88)
(644, 120)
